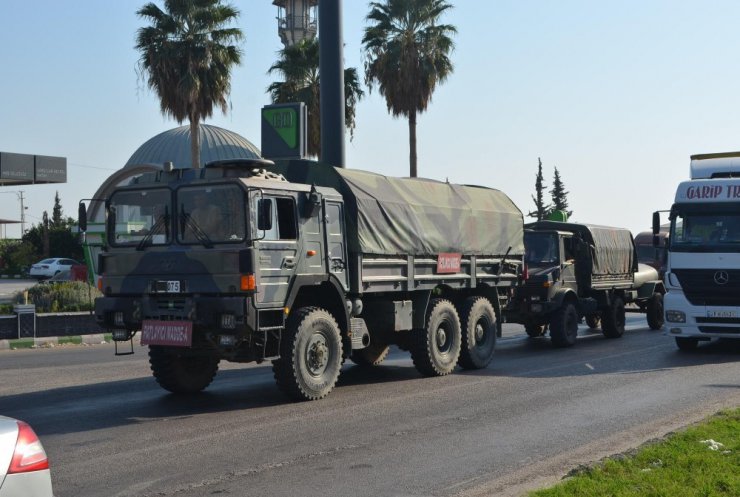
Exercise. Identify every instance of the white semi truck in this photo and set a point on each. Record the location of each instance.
(703, 268)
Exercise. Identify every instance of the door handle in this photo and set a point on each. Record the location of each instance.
(288, 263)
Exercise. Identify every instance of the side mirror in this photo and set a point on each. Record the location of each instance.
(264, 214)
(313, 203)
(82, 217)
(656, 223)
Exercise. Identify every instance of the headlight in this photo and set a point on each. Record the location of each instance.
(675, 316)
(118, 318)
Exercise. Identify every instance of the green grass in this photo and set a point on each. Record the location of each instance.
(23, 343)
(681, 465)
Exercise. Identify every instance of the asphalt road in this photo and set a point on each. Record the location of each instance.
(533, 415)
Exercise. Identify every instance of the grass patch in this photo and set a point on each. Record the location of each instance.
(681, 465)
(23, 343)
(73, 340)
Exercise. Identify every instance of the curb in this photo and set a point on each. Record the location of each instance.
(49, 342)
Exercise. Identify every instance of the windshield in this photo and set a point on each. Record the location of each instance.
(136, 215)
(705, 232)
(647, 254)
(541, 249)
(213, 214)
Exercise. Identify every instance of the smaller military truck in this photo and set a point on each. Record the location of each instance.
(574, 271)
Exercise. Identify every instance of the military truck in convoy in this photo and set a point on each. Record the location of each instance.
(305, 265)
(576, 270)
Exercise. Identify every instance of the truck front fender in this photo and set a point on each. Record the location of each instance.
(649, 288)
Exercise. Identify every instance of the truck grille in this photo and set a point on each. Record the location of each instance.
(729, 330)
(171, 305)
(700, 287)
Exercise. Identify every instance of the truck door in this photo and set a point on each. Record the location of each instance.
(277, 251)
(336, 246)
(568, 261)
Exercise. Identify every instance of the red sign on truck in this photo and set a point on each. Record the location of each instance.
(448, 263)
(172, 333)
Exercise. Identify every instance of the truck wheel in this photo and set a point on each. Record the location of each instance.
(310, 355)
(534, 330)
(593, 321)
(612, 319)
(436, 347)
(372, 355)
(687, 344)
(655, 311)
(478, 333)
(564, 326)
(180, 373)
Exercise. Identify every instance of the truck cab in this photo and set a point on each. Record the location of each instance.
(703, 269)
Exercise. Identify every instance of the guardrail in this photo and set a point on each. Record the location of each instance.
(58, 324)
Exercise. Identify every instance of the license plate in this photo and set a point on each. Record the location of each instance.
(170, 333)
(172, 286)
(722, 314)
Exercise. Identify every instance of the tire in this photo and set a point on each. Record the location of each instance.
(655, 317)
(310, 355)
(372, 355)
(478, 333)
(436, 347)
(613, 318)
(180, 373)
(534, 330)
(593, 321)
(687, 344)
(564, 326)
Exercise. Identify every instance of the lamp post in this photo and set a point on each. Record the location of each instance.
(331, 65)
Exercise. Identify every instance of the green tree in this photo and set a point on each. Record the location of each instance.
(541, 208)
(56, 214)
(407, 55)
(187, 54)
(559, 194)
(298, 65)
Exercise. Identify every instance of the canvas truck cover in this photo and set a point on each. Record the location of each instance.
(392, 216)
(613, 249)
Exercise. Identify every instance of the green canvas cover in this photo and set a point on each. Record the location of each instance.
(391, 216)
(613, 249)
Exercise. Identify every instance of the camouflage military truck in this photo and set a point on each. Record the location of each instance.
(575, 271)
(305, 265)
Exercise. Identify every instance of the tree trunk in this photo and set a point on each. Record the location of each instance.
(412, 144)
(195, 141)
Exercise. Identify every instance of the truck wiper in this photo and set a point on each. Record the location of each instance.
(163, 221)
(197, 231)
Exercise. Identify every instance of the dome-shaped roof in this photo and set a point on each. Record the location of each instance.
(174, 146)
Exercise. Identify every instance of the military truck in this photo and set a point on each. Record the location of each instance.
(574, 271)
(305, 265)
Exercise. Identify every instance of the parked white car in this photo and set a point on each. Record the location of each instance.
(49, 267)
(24, 467)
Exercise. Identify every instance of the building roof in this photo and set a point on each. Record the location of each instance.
(174, 146)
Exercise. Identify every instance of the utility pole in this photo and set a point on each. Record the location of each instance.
(331, 68)
(23, 212)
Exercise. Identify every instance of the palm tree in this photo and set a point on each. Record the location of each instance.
(299, 67)
(187, 54)
(407, 54)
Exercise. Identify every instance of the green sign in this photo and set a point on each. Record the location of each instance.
(283, 131)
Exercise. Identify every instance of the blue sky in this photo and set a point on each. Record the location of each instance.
(617, 95)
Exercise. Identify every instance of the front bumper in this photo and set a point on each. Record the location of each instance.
(700, 321)
(204, 312)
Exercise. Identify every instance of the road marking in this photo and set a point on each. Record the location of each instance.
(590, 367)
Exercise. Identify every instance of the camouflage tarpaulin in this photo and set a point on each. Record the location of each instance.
(391, 216)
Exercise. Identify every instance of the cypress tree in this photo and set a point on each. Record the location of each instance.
(559, 194)
(541, 209)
